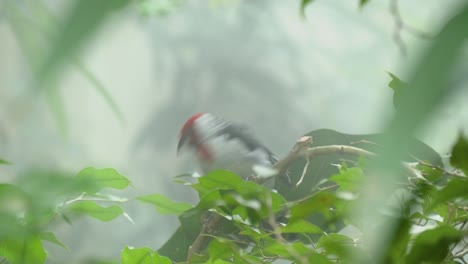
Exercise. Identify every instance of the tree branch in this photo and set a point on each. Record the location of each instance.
(300, 150)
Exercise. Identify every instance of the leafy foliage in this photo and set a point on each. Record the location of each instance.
(426, 214)
(29, 208)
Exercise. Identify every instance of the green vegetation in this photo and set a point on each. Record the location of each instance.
(402, 205)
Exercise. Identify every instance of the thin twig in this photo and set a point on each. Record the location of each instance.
(279, 236)
(203, 236)
(304, 172)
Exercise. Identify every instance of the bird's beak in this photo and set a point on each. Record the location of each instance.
(182, 140)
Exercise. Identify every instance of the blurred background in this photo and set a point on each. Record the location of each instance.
(260, 63)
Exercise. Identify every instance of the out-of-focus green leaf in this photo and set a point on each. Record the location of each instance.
(57, 106)
(432, 246)
(429, 87)
(49, 236)
(102, 178)
(23, 250)
(398, 86)
(99, 212)
(362, 3)
(4, 162)
(456, 188)
(142, 256)
(459, 157)
(320, 202)
(220, 249)
(430, 173)
(319, 259)
(165, 205)
(177, 246)
(336, 244)
(220, 180)
(304, 4)
(301, 226)
(271, 247)
(100, 88)
(82, 21)
(349, 179)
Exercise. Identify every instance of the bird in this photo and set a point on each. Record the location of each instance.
(219, 144)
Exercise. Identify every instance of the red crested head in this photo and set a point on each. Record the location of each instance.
(188, 125)
(187, 131)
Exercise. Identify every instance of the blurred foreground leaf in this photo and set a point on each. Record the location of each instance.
(99, 212)
(142, 256)
(82, 21)
(20, 250)
(432, 246)
(4, 162)
(164, 205)
(459, 157)
(102, 178)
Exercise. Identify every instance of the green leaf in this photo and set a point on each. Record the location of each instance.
(319, 259)
(82, 21)
(164, 205)
(220, 180)
(301, 226)
(304, 4)
(23, 250)
(398, 86)
(50, 237)
(336, 244)
(142, 256)
(320, 202)
(456, 188)
(430, 173)
(362, 3)
(94, 210)
(4, 162)
(349, 179)
(219, 249)
(100, 88)
(459, 157)
(432, 246)
(102, 178)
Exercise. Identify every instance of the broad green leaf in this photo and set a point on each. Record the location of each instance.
(210, 200)
(301, 226)
(82, 20)
(456, 188)
(429, 84)
(142, 256)
(459, 157)
(274, 248)
(320, 202)
(99, 212)
(432, 246)
(23, 250)
(430, 173)
(102, 178)
(220, 249)
(50, 237)
(164, 205)
(319, 259)
(349, 179)
(336, 244)
(221, 180)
